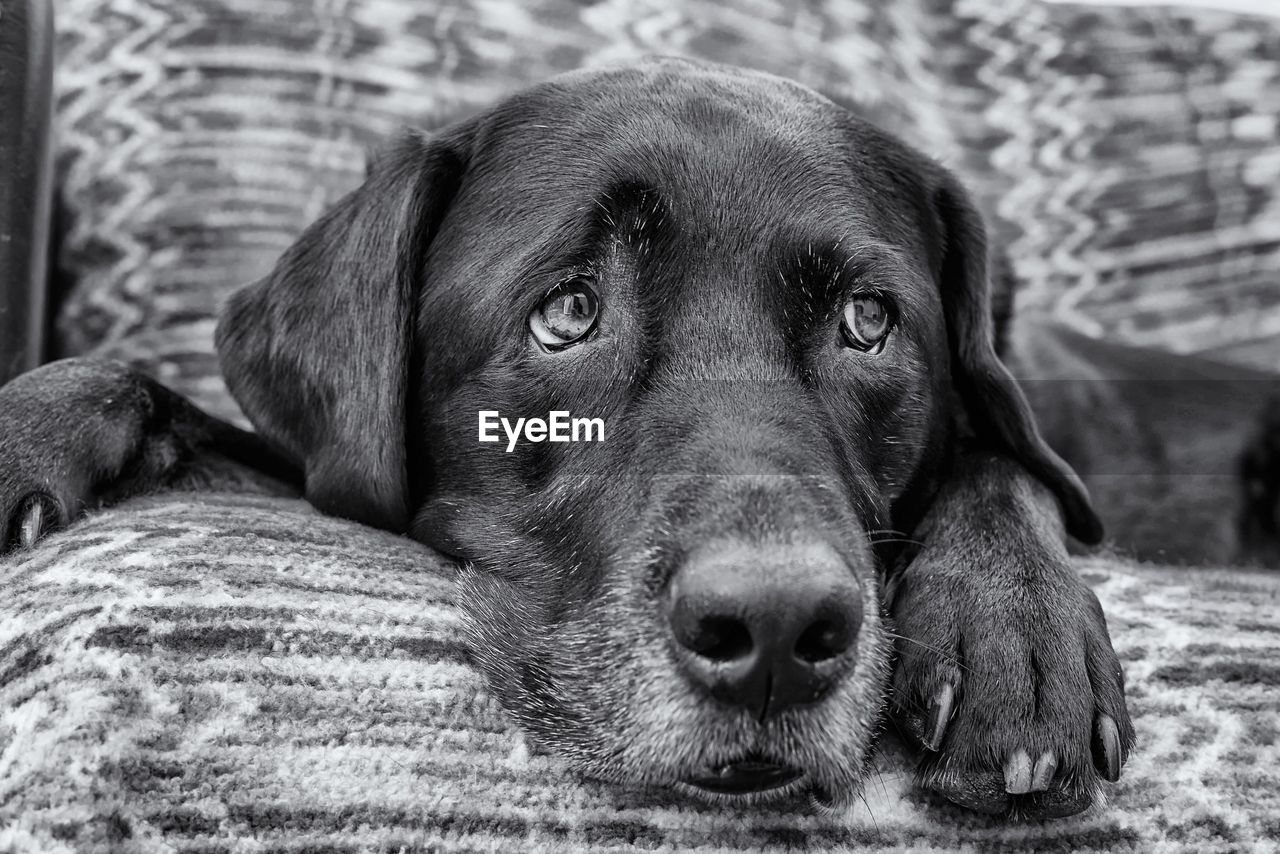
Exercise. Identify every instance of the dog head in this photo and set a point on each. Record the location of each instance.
(777, 316)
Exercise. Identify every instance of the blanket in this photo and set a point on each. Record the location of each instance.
(224, 674)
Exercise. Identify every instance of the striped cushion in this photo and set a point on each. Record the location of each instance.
(243, 674)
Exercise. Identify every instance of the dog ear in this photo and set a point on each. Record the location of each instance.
(318, 353)
(997, 410)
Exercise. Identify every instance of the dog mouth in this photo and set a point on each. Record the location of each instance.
(748, 776)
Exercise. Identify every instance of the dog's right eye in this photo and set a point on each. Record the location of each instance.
(866, 323)
(566, 315)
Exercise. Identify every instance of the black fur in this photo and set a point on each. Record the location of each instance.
(1260, 503)
(726, 217)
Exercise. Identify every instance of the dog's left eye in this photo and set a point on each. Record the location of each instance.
(567, 314)
(866, 323)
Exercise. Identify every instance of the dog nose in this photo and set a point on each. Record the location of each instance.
(765, 628)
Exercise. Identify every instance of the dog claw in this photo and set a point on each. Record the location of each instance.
(1106, 747)
(939, 716)
(1017, 773)
(1042, 776)
(36, 517)
(32, 524)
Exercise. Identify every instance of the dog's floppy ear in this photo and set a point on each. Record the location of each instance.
(996, 408)
(318, 353)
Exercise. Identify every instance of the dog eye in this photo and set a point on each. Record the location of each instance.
(866, 323)
(567, 314)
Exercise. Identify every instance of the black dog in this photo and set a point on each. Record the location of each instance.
(781, 316)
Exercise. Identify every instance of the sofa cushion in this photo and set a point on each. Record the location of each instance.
(226, 673)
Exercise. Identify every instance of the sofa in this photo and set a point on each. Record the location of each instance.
(221, 673)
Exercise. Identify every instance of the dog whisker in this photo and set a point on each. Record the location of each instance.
(878, 771)
(944, 655)
(862, 796)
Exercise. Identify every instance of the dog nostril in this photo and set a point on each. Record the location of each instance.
(720, 639)
(824, 639)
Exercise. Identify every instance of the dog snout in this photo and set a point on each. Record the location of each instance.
(765, 628)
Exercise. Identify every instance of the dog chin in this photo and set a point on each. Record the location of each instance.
(803, 758)
(602, 694)
(827, 775)
(674, 738)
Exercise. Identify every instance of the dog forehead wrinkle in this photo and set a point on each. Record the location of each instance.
(760, 143)
(719, 192)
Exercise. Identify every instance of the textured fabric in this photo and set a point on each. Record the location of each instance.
(1130, 158)
(231, 674)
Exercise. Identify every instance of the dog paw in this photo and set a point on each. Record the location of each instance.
(1011, 688)
(67, 432)
(1005, 675)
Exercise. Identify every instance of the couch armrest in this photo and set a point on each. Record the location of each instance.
(26, 185)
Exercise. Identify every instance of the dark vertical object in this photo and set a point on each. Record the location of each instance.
(26, 181)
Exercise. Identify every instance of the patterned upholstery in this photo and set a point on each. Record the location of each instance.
(1129, 159)
(218, 674)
